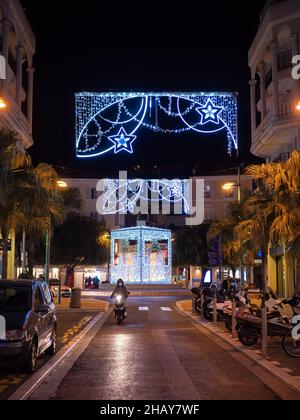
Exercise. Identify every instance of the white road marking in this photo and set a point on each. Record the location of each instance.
(166, 309)
(143, 308)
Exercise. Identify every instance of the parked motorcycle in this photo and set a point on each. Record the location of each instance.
(223, 300)
(208, 294)
(249, 324)
(196, 299)
(242, 304)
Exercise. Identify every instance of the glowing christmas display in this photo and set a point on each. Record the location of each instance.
(108, 122)
(141, 255)
(124, 196)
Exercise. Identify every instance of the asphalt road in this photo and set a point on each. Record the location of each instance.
(158, 354)
(69, 325)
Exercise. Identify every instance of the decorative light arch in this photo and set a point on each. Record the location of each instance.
(107, 122)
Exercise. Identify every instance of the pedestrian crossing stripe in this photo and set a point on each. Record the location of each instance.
(143, 308)
(166, 309)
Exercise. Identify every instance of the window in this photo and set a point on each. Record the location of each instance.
(269, 77)
(207, 191)
(285, 60)
(228, 193)
(15, 299)
(94, 215)
(47, 294)
(38, 298)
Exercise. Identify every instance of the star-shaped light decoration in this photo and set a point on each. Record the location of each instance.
(122, 141)
(210, 113)
(175, 189)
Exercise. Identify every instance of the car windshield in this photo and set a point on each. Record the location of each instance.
(15, 299)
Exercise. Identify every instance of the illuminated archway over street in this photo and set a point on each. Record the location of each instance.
(110, 122)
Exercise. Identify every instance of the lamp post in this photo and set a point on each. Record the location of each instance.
(62, 185)
(230, 186)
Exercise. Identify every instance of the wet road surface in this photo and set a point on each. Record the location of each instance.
(69, 325)
(157, 354)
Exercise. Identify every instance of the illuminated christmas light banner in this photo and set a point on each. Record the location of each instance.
(132, 196)
(110, 122)
(152, 196)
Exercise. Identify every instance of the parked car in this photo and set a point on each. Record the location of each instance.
(31, 322)
(65, 292)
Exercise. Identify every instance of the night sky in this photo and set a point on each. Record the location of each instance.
(85, 46)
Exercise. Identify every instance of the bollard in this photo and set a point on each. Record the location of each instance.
(202, 304)
(193, 304)
(75, 298)
(215, 315)
(264, 330)
(234, 332)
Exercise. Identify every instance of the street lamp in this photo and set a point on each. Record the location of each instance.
(3, 104)
(297, 107)
(230, 185)
(62, 184)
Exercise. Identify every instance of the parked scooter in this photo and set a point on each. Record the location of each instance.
(223, 300)
(243, 303)
(249, 323)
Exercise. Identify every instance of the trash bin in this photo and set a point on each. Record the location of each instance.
(75, 298)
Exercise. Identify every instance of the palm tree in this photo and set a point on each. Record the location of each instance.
(28, 196)
(273, 211)
(233, 250)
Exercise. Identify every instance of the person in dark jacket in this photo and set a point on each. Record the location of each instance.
(120, 289)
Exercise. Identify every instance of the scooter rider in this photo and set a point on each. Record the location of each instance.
(120, 289)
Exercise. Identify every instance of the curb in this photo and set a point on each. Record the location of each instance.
(103, 306)
(279, 373)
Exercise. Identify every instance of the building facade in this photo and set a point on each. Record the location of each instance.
(89, 194)
(17, 46)
(275, 120)
(217, 200)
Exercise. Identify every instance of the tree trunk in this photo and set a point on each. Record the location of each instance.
(5, 236)
(30, 257)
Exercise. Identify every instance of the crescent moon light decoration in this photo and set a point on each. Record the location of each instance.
(109, 122)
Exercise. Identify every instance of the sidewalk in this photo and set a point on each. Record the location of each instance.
(87, 305)
(277, 363)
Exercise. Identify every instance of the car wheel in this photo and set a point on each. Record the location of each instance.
(52, 349)
(30, 362)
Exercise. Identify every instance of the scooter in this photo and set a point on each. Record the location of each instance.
(249, 323)
(223, 300)
(120, 308)
(243, 303)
